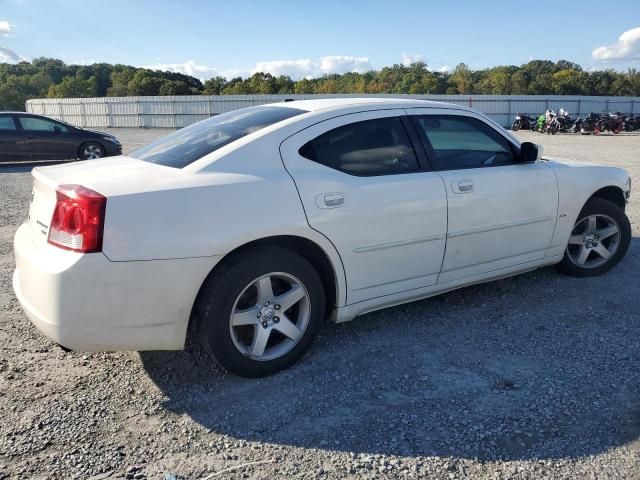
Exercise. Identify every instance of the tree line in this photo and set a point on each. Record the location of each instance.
(52, 78)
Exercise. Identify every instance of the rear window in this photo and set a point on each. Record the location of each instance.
(191, 143)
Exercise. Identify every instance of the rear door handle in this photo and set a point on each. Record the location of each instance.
(330, 200)
(462, 186)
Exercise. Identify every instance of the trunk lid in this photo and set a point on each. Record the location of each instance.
(109, 177)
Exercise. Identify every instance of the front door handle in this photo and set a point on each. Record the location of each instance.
(462, 186)
(331, 200)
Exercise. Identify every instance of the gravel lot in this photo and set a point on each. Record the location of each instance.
(532, 377)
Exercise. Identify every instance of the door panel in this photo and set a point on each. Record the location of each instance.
(42, 142)
(507, 218)
(500, 213)
(389, 229)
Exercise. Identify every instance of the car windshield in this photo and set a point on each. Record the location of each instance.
(191, 143)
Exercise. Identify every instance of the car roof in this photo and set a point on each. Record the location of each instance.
(347, 102)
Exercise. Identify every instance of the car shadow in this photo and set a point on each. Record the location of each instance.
(538, 366)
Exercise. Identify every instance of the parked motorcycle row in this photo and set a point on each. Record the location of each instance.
(552, 123)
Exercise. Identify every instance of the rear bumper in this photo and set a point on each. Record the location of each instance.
(86, 302)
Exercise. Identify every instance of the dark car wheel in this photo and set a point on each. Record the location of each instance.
(260, 312)
(598, 241)
(91, 151)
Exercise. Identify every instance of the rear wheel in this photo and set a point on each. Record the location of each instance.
(261, 312)
(91, 151)
(598, 241)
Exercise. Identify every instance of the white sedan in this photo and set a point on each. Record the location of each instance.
(249, 229)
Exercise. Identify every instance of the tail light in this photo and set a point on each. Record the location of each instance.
(78, 219)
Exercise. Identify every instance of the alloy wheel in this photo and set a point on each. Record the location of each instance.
(91, 152)
(593, 241)
(270, 316)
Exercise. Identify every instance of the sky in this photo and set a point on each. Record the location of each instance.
(310, 38)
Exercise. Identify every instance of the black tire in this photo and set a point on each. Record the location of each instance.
(91, 151)
(227, 283)
(603, 207)
(515, 126)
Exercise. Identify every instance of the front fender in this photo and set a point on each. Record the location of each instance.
(577, 183)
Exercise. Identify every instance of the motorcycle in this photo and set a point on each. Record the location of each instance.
(577, 125)
(631, 123)
(589, 124)
(541, 123)
(551, 125)
(564, 121)
(522, 122)
(612, 122)
(560, 123)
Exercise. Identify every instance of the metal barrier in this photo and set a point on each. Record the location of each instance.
(179, 111)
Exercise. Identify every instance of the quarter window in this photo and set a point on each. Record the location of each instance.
(463, 142)
(371, 147)
(6, 123)
(40, 125)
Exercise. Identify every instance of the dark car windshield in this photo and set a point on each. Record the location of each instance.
(191, 143)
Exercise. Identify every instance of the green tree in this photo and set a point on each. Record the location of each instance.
(74, 87)
(176, 87)
(44, 77)
(568, 82)
(214, 86)
(460, 80)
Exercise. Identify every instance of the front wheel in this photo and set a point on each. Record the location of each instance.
(91, 151)
(598, 241)
(515, 126)
(261, 311)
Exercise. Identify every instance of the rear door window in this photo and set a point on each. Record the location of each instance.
(7, 123)
(371, 147)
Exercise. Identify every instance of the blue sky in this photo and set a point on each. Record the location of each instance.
(308, 38)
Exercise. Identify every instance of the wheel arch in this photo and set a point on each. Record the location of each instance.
(328, 266)
(612, 194)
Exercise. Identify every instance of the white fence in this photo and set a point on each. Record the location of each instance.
(179, 111)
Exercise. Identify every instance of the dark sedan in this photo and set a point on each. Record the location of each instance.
(25, 136)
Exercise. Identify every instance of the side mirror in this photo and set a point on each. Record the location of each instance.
(530, 152)
(56, 129)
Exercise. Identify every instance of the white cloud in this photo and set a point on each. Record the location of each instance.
(444, 68)
(307, 68)
(189, 68)
(5, 28)
(408, 58)
(626, 48)
(293, 68)
(296, 69)
(9, 56)
(344, 64)
(203, 72)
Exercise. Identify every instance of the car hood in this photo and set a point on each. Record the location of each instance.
(98, 132)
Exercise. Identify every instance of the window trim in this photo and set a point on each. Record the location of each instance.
(418, 152)
(430, 152)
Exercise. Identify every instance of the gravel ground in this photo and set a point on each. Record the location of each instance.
(532, 377)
